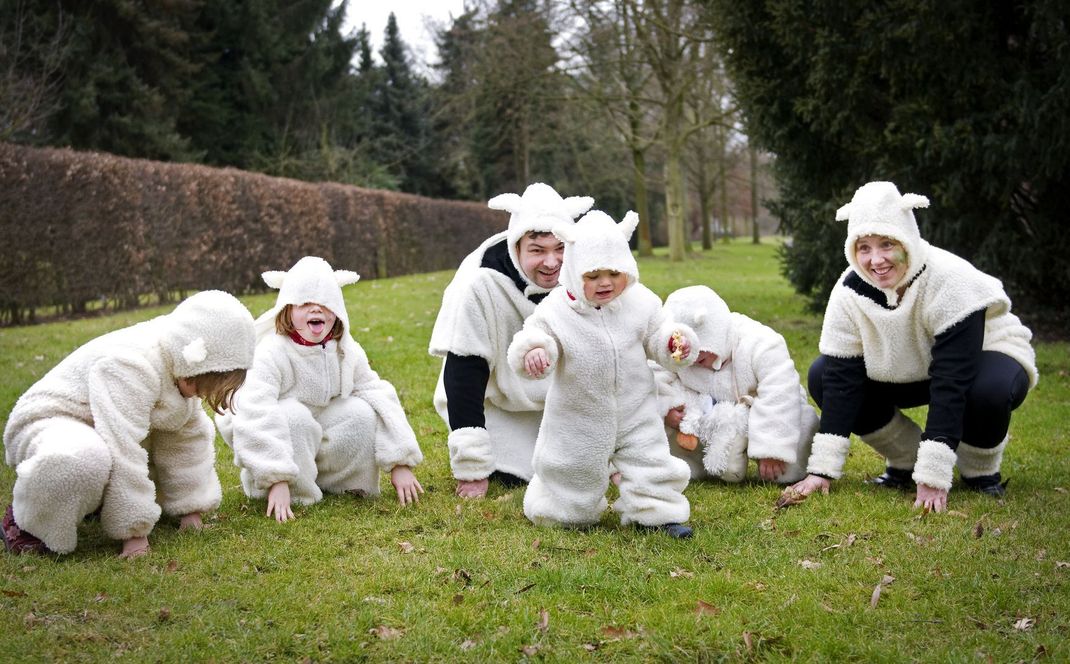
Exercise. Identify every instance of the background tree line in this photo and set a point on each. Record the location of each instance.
(670, 107)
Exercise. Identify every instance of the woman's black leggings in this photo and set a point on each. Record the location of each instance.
(1000, 387)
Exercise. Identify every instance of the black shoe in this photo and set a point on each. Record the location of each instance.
(894, 478)
(674, 530)
(507, 480)
(990, 485)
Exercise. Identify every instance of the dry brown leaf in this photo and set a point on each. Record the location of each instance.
(101, 596)
(164, 615)
(678, 572)
(875, 597)
(1024, 624)
(14, 593)
(617, 633)
(387, 633)
(406, 547)
(530, 651)
(887, 579)
(850, 539)
(978, 530)
(544, 621)
(462, 576)
(788, 498)
(172, 565)
(706, 609)
(591, 647)
(458, 598)
(536, 543)
(1059, 564)
(747, 642)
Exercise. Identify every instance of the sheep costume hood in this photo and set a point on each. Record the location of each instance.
(311, 279)
(878, 208)
(703, 310)
(85, 435)
(593, 243)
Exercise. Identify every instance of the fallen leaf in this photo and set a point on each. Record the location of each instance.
(544, 621)
(850, 539)
(617, 633)
(468, 644)
(886, 579)
(810, 564)
(14, 593)
(387, 633)
(458, 598)
(164, 615)
(996, 532)
(1024, 623)
(676, 573)
(1060, 489)
(747, 642)
(406, 547)
(788, 498)
(978, 530)
(706, 609)
(100, 597)
(530, 651)
(875, 597)
(536, 543)
(172, 565)
(462, 576)
(1059, 564)
(590, 647)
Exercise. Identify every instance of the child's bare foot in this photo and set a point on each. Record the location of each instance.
(615, 479)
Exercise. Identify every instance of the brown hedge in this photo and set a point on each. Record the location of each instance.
(79, 227)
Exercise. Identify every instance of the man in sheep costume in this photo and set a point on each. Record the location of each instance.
(315, 416)
(601, 406)
(493, 415)
(741, 399)
(115, 426)
(909, 324)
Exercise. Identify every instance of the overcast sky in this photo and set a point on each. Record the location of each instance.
(413, 18)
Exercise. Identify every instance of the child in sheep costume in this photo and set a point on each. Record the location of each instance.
(493, 415)
(116, 426)
(909, 324)
(601, 406)
(313, 416)
(741, 399)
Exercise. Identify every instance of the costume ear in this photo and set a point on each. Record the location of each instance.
(911, 201)
(195, 351)
(346, 277)
(577, 205)
(273, 278)
(509, 202)
(844, 213)
(564, 232)
(628, 224)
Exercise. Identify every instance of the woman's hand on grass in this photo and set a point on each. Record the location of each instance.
(810, 484)
(929, 498)
(278, 502)
(406, 484)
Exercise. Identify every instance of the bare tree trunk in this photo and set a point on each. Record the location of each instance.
(722, 177)
(756, 237)
(642, 203)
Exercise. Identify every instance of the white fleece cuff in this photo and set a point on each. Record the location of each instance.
(525, 341)
(828, 454)
(471, 455)
(935, 465)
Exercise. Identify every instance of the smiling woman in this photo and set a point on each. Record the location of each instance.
(909, 324)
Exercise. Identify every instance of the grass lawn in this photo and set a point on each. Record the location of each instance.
(452, 580)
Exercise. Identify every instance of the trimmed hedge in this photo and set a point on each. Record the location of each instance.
(78, 228)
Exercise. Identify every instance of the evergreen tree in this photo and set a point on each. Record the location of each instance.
(962, 101)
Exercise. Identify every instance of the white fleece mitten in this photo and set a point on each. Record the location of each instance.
(471, 455)
(935, 465)
(828, 454)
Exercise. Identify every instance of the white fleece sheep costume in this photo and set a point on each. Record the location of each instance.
(601, 406)
(316, 417)
(107, 427)
(750, 405)
(482, 308)
(896, 339)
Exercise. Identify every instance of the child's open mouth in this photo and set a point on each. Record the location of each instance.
(316, 325)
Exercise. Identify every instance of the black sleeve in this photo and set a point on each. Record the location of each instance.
(843, 387)
(465, 381)
(954, 367)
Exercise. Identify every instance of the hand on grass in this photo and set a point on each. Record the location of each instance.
(810, 484)
(536, 362)
(473, 488)
(770, 469)
(278, 502)
(406, 484)
(191, 521)
(135, 547)
(929, 498)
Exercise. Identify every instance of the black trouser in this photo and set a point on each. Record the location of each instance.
(1000, 387)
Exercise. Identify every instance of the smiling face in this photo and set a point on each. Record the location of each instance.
(312, 321)
(883, 259)
(540, 258)
(603, 286)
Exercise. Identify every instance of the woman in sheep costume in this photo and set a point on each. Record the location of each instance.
(313, 416)
(910, 324)
(116, 426)
(601, 406)
(741, 399)
(493, 415)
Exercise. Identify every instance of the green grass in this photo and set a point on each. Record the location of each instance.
(482, 584)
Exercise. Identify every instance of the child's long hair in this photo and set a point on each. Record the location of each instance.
(284, 324)
(217, 388)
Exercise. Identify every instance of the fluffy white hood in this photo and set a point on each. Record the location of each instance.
(703, 310)
(878, 208)
(209, 331)
(596, 242)
(311, 279)
(540, 209)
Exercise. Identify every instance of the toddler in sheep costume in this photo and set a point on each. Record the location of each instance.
(116, 426)
(313, 416)
(594, 336)
(741, 398)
